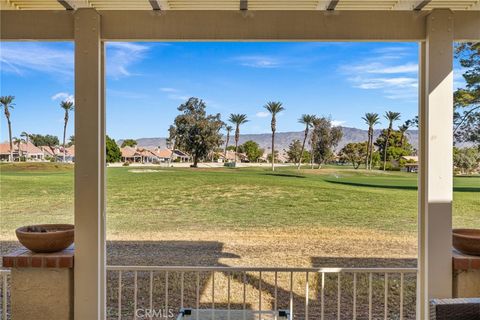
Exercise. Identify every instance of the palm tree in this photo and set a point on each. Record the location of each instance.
(229, 129)
(403, 129)
(25, 136)
(67, 106)
(391, 117)
(173, 136)
(18, 142)
(314, 140)
(274, 108)
(371, 119)
(237, 120)
(307, 120)
(7, 103)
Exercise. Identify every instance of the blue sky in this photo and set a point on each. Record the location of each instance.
(147, 81)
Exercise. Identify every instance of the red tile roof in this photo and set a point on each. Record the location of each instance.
(24, 147)
(128, 152)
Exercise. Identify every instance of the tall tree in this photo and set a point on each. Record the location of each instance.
(466, 160)
(313, 141)
(172, 132)
(296, 153)
(403, 130)
(307, 120)
(355, 153)
(395, 150)
(467, 100)
(274, 108)
(197, 132)
(129, 143)
(18, 142)
(326, 137)
(67, 106)
(228, 129)
(252, 150)
(71, 140)
(237, 119)
(371, 119)
(391, 117)
(7, 103)
(26, 137)
(112, 151)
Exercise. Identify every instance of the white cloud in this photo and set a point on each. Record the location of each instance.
(121, 56)
(178, 97)
(381, 83)
(393, 78)
(166, 89)
(63, 96)
(20, 58)
(174, 94)
(337, 123)
(379, 68)
(259, 61)
(262, 114)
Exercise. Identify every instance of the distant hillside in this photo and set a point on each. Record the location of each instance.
(283, 139)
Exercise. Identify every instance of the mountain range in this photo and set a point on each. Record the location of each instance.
(283, 139)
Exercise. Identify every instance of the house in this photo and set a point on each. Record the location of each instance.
(152, 155)
(147, 155)
(411, 164)
(48, 152)
(130, 154)
(27, 150)
(164, 155)
(230, 156)
(68, 156)
(280, 157)
(5, 152)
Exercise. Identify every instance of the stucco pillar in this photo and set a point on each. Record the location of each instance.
(41, 284)
(436, 171)
(89, 168)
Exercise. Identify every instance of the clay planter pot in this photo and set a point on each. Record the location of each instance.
(467, 241)
(45, 238)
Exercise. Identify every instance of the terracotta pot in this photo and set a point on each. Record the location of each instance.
(45, 238)
(467, 241)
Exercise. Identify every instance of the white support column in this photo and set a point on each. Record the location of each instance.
(436, 171)
(89, 168)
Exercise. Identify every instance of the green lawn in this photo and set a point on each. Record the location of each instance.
(248, 198)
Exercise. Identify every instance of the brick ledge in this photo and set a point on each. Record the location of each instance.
(24, 258)
(465, 262)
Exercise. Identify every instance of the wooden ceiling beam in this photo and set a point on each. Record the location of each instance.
(422, 4)
(155, 4)
(243, 5)
(332, 5)
(141, 25)
(66, 4)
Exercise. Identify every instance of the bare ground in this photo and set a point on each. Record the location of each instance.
(288, 247)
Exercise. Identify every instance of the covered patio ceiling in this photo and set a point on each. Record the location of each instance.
(330, 5)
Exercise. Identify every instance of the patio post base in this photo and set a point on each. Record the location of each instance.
(41, 285)
(466, 275)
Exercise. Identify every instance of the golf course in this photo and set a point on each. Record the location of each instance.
(158, 216)
(261, 217)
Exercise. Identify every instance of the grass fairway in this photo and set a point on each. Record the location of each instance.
(332, 217)
(327, 212)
